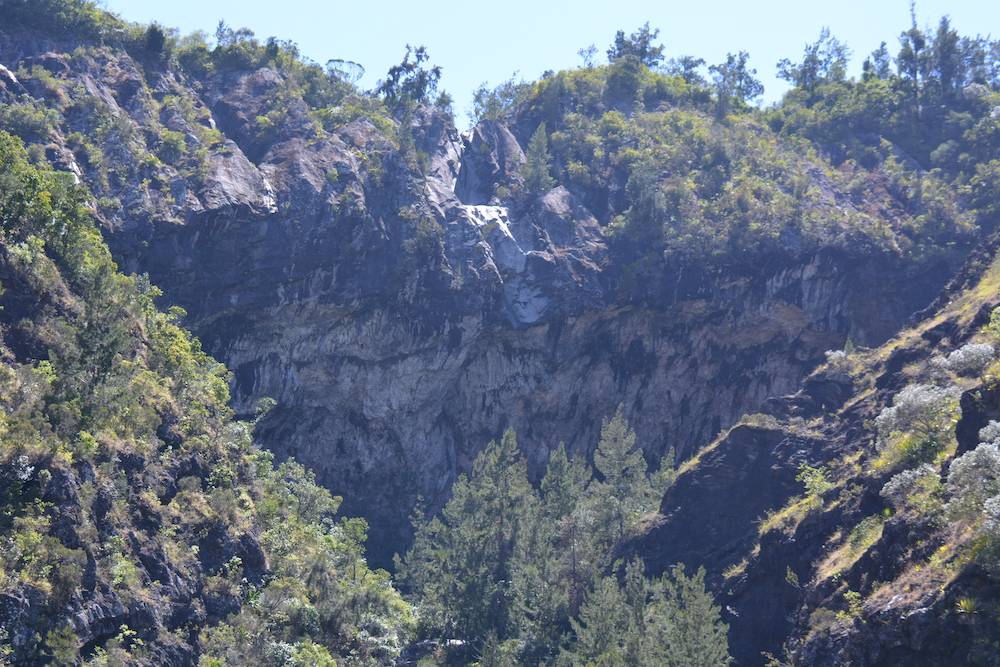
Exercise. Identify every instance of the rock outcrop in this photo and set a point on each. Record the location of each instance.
(738, 509)
(402, 313)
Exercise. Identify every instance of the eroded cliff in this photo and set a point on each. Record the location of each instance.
(400, 311)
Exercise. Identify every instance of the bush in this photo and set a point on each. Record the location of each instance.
(500, 102)
(814, 480)
(991, 510)
(838, 360)
(990, 432)
(918, 425)
(974, 479)
(172, 146)
(29, 119)
(969, 359)
(915, 491)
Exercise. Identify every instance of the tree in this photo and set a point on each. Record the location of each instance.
(825, 60)
(541, 591)
(226, 37)
(410, 82)
(565, 482)
(344, 70)
(156, 39)
(947, 67)
(734, 83)
(537, 166)
(667, 622)
(911, 62)
(587, 54)
(496, 653)
(687, 67)
(877, 65)
(686, 623)
(602, 626)
(625, 490)
(638, 45)
(497, 103)
(556, 560)
(460, 563)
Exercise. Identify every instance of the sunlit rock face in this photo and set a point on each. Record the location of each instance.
(403, 312)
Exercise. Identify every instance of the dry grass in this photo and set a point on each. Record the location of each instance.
(736, 569)
(920, 582)
(864, 535)
(692, 463)
(788, 518)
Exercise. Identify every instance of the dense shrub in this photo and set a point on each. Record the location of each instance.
(973, 479)
(918, 426)
(971, 359)
(915, 492)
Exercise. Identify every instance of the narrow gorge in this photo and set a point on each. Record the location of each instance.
(406, 293)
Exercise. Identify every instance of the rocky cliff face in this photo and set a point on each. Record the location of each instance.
(399, 312)
(786, 569)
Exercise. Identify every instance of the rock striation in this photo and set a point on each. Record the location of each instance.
(401, 314)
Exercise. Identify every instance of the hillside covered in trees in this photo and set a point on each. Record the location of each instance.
(634, 371)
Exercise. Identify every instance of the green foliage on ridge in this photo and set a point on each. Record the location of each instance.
(118, 450)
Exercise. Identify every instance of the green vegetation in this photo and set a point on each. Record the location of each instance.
(29, 118)
(510, 570)
(500, 102)
(116, 442)
(928, 125)
(667, 622)
(935, 106)
(123, 471)
(644, 151)
(410, 82)
(638, 45)
(950, 503)
(918, 427)
(64, 18)
(537, 166)
(735, 83)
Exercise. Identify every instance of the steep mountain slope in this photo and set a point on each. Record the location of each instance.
(404, 299)
(135, 514)
(794, 306)
(837, 574)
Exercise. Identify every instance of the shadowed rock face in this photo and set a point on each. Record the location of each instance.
(402, 316)
(770, 581)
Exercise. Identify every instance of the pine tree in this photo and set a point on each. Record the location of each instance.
(686, 629)
(496, 653)
(538, 164)
(460, 564)
(625, 491)
(540, 606)
(554, 560)
(601, 628)
(667, 622)
(565, 482)
(567, 504)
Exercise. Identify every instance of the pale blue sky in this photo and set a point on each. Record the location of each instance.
(479, 41)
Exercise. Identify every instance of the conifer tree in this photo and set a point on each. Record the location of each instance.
(460, 564)
(565, 482)
(625, 488)
(686, 623)
(555, 559)
(538, 164)
(602, 625)
(667, 622)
